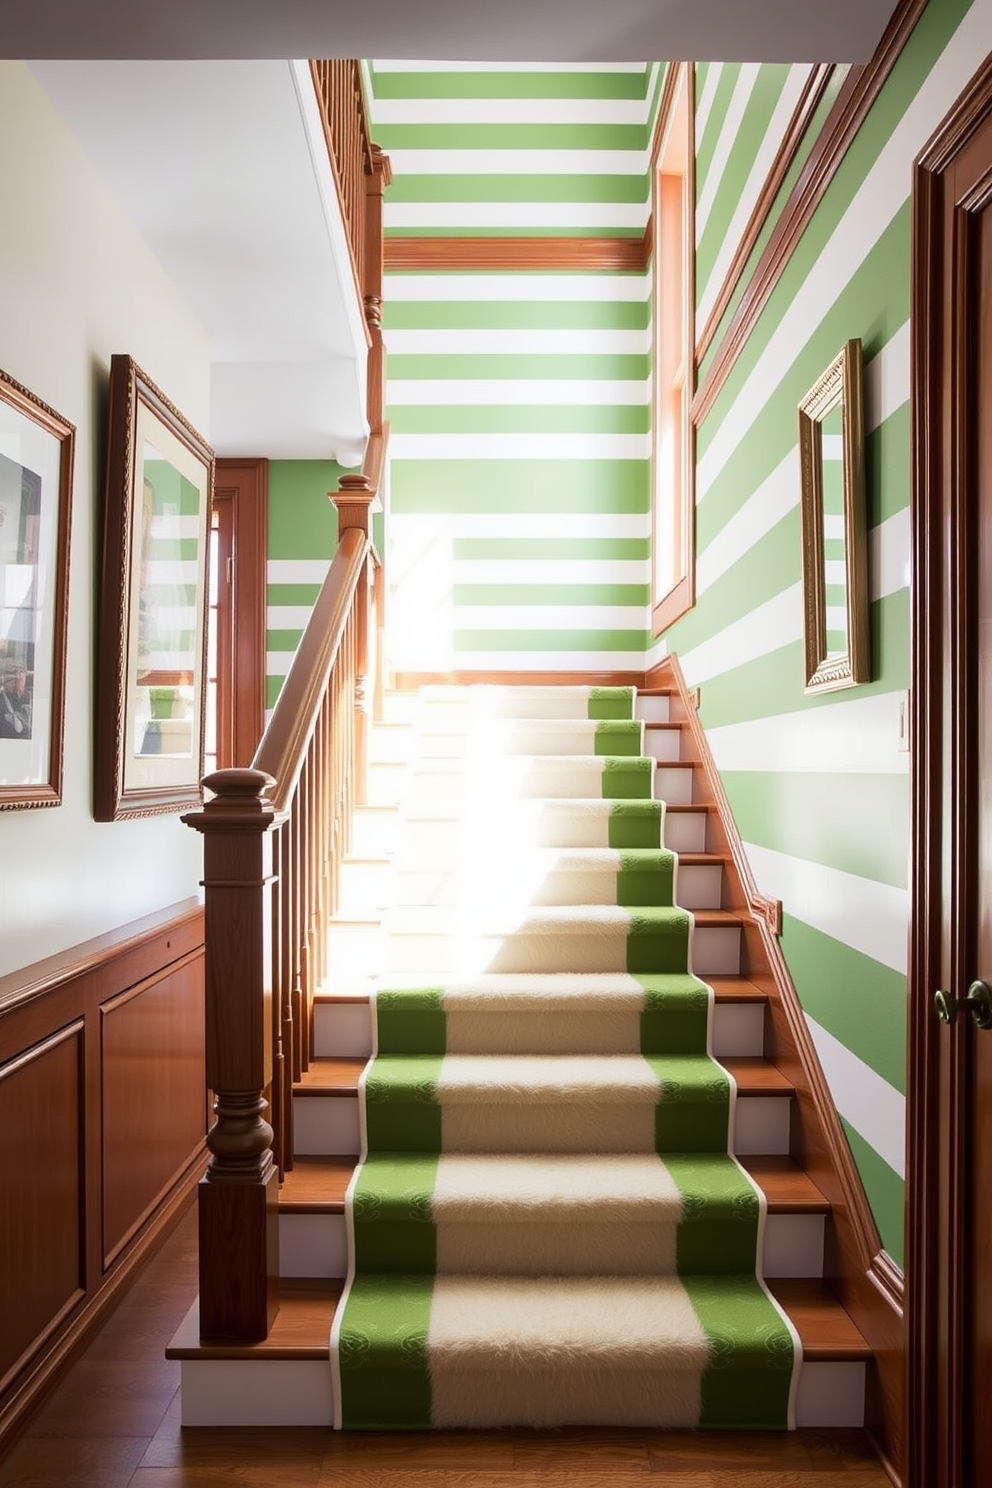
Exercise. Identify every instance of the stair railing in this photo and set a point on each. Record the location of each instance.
(275, 833)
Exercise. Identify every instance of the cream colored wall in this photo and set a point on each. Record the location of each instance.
(76, 285)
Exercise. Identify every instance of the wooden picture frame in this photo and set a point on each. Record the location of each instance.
(834, 527)
(37, 446)
(152, 631)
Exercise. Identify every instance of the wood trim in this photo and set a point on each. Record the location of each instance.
(865, 1279)
(245, 484)
(680, 599)
(603, 255)
(860, 89)
(942, 697)
(807, 105)
(410, 681)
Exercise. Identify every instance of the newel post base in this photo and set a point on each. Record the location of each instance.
(238, 1218)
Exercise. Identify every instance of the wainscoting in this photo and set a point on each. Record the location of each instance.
(103, 1103)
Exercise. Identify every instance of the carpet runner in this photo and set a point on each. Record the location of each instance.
(547, 1227)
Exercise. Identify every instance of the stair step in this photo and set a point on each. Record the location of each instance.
(374, 830)
(674, 783)
(653, 707)
(786, 1186)
(685, 827)
(663, 741)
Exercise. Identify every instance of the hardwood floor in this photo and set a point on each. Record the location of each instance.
(114, 1423)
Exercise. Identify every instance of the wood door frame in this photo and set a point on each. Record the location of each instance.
(244, 484)
(944, 709)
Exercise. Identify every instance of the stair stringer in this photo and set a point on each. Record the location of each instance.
(861, 1274)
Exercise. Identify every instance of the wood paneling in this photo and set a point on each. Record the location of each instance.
(101, 1087)
(152, 1095)
(41, 1201)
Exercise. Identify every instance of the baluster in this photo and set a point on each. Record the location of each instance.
(238, 1222)
(353, 500)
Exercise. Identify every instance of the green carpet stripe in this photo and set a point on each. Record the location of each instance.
(694, 1112)
(618, 736)
(645, 876)
(675, 1016)
(385, 1385)
(626, 779)
(394, 1226)
(635, 824)
(748, 1378)
(719, 1230)
(611, 702)
(410, 1020)
(658, 940)
(401, 1110)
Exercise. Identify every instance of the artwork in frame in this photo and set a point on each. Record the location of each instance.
(152, 635)
(36, 459)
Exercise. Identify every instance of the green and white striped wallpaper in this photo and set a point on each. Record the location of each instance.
(819, 785)
(302, 537)
(518, 534)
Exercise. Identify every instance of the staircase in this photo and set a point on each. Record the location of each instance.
(287, 1380)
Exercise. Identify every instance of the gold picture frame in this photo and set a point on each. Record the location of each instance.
(151, 672)
(834, 527)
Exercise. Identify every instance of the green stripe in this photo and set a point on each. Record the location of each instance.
(550, 547)
(658, 940)
(634, 824)
(625, 779)
(854, 997)
(509, 84)
(530, 486)
(520, 418)
(302, 521)
(291, 594)
(645, 876)
(401, 1109)
(706, 146)
(885, 1191)
(887, 462)
(519, 188)
(719, 1230)
(765, 569)
(610, 702)
(693, 1114)
(393, 1220)
(510, 136)
(517, 315)
(282, 640)
(749, 1376)
(676, 1014)
(383, 1351)
(507, 366)
(550, 594)
(550, 640)
(410, 1020)
(856, 823)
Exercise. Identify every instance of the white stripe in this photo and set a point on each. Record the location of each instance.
(739, 100)
(549, 571)
(297, 570)
(550, 617)
(856, 737)
(704, 104)
(888, 557)
(875, 1109)
(501, 214)
(513, 392)
(512, 286)
(776, 623)
(531, 661)
(767, 150)
(579, 162)
(405, 528)
(508, 67)
(509, 111)
(870, 917)
(520, 446)
(832, 448)
(287, 617)
(886, 388)
(887, 379)
(167, 526)
(518, 342)
(166, 573)
(881, 195)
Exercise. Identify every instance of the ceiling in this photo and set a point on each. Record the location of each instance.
(217, 157)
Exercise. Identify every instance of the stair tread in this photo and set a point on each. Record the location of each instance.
(755, 1076)
(316, 1184)
(301, 1329)
(786, 1186)
(734, 989)
(825, 1329)
(331, 1076)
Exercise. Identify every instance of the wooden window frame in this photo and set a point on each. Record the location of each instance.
(241, 490)
(673, 368)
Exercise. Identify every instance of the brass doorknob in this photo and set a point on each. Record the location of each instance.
(978, 1002)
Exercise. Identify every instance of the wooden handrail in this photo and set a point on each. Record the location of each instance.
(282, 750)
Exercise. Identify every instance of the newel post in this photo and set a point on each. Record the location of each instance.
(354, 500)
(238, 1217)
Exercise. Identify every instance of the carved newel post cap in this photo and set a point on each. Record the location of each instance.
(237, 793)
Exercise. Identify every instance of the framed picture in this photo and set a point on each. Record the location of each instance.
(151, 660)
(36, 453)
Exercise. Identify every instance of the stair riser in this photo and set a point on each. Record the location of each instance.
(685, 831)
(391, 744)
(652, 709)
(344, 1030)
(329, 1125)
(664, 745)
(316, 1245)
(374, 832)
(673, 783)
(716, 951)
